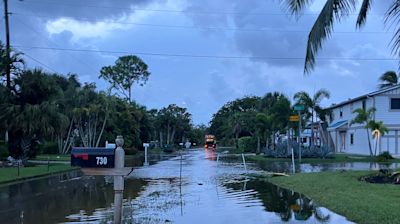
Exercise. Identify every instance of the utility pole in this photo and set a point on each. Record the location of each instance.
(8, 75)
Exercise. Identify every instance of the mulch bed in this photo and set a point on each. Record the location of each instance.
(384, 177)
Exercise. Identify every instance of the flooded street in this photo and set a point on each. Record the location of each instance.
(198, 191)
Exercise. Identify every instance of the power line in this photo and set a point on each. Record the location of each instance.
(172, 10)
(39, 62)
(261, 29)
(200, 56)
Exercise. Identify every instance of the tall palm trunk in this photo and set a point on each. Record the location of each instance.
(369, 143)
(258, 144)
(312, 129)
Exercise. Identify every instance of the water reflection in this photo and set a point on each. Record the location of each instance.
(52, 200)
(287, 204)
(320, 167)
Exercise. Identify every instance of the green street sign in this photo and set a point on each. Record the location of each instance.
(299, 107)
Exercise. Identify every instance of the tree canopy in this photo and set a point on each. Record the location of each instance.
(127, 70)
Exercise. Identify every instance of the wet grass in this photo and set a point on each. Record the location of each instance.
(343, 193)
(10, 174)
(52, 157)
(336, 158)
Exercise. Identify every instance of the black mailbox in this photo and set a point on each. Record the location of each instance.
(93, 157)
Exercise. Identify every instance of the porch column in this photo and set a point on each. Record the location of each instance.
(336, 141)
(396, 141)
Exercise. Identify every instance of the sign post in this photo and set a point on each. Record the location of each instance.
(145, 145)
(299, 108)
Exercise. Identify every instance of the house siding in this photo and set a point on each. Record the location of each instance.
(391, 118)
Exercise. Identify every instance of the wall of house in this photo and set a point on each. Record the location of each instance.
(384, 113)
(347, 111)
(360, 141)
(391, 118)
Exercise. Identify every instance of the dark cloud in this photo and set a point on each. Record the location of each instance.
(88, 10)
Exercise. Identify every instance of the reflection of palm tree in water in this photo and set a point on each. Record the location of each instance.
(287, 204)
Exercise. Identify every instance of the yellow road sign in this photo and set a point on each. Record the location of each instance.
(294, 118)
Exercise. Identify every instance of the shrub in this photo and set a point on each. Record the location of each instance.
(248, 144)
(281, 151)
(130, 151)
(49, 148)
(3, 150)
(384, 156)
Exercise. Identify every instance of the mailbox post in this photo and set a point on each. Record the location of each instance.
(105, 162)
(145, 145)
(118, 180)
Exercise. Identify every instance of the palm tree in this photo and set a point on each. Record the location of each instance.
(312, 104)
(364, 117)
(379, 130)
(335, 10)
(388, 79)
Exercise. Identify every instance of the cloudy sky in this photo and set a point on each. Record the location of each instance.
(201, 54)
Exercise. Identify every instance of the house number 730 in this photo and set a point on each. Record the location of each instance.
(101, 160)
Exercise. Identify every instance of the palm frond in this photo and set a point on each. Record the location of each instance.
(320, 95)
(323, 26)
(297, 6)
(392, 18)
(388, 78)
(362, 15)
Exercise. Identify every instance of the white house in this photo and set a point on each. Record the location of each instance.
(353, 138)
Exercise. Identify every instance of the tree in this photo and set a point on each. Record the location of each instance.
(126, 71)
(175, 121)
(364, 117)
(312, 105)
(378, 130)
(33, 111)
(15, 63)
(335, 10)
(388, 79)
(263, 126)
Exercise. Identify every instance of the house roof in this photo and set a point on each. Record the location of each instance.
(364, 96)
(337, 125)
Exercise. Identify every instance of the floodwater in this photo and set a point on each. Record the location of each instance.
(193, 188)
(321, 167)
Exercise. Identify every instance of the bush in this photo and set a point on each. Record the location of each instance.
(130, 151)
(49, 148)
(281, 151)
(248, 144)
(384, 156)
(3, 150)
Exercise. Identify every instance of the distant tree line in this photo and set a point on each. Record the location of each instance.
(42, 109)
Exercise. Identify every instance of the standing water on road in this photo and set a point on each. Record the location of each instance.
(207, 192)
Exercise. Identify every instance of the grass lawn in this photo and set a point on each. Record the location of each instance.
(337, 158)
(343, 193)
(45, 157)
(9, 174)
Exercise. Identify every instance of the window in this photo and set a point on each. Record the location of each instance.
(304, 140)
(341, 112)
(395, 103)
(364, 105)
(351, 138)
